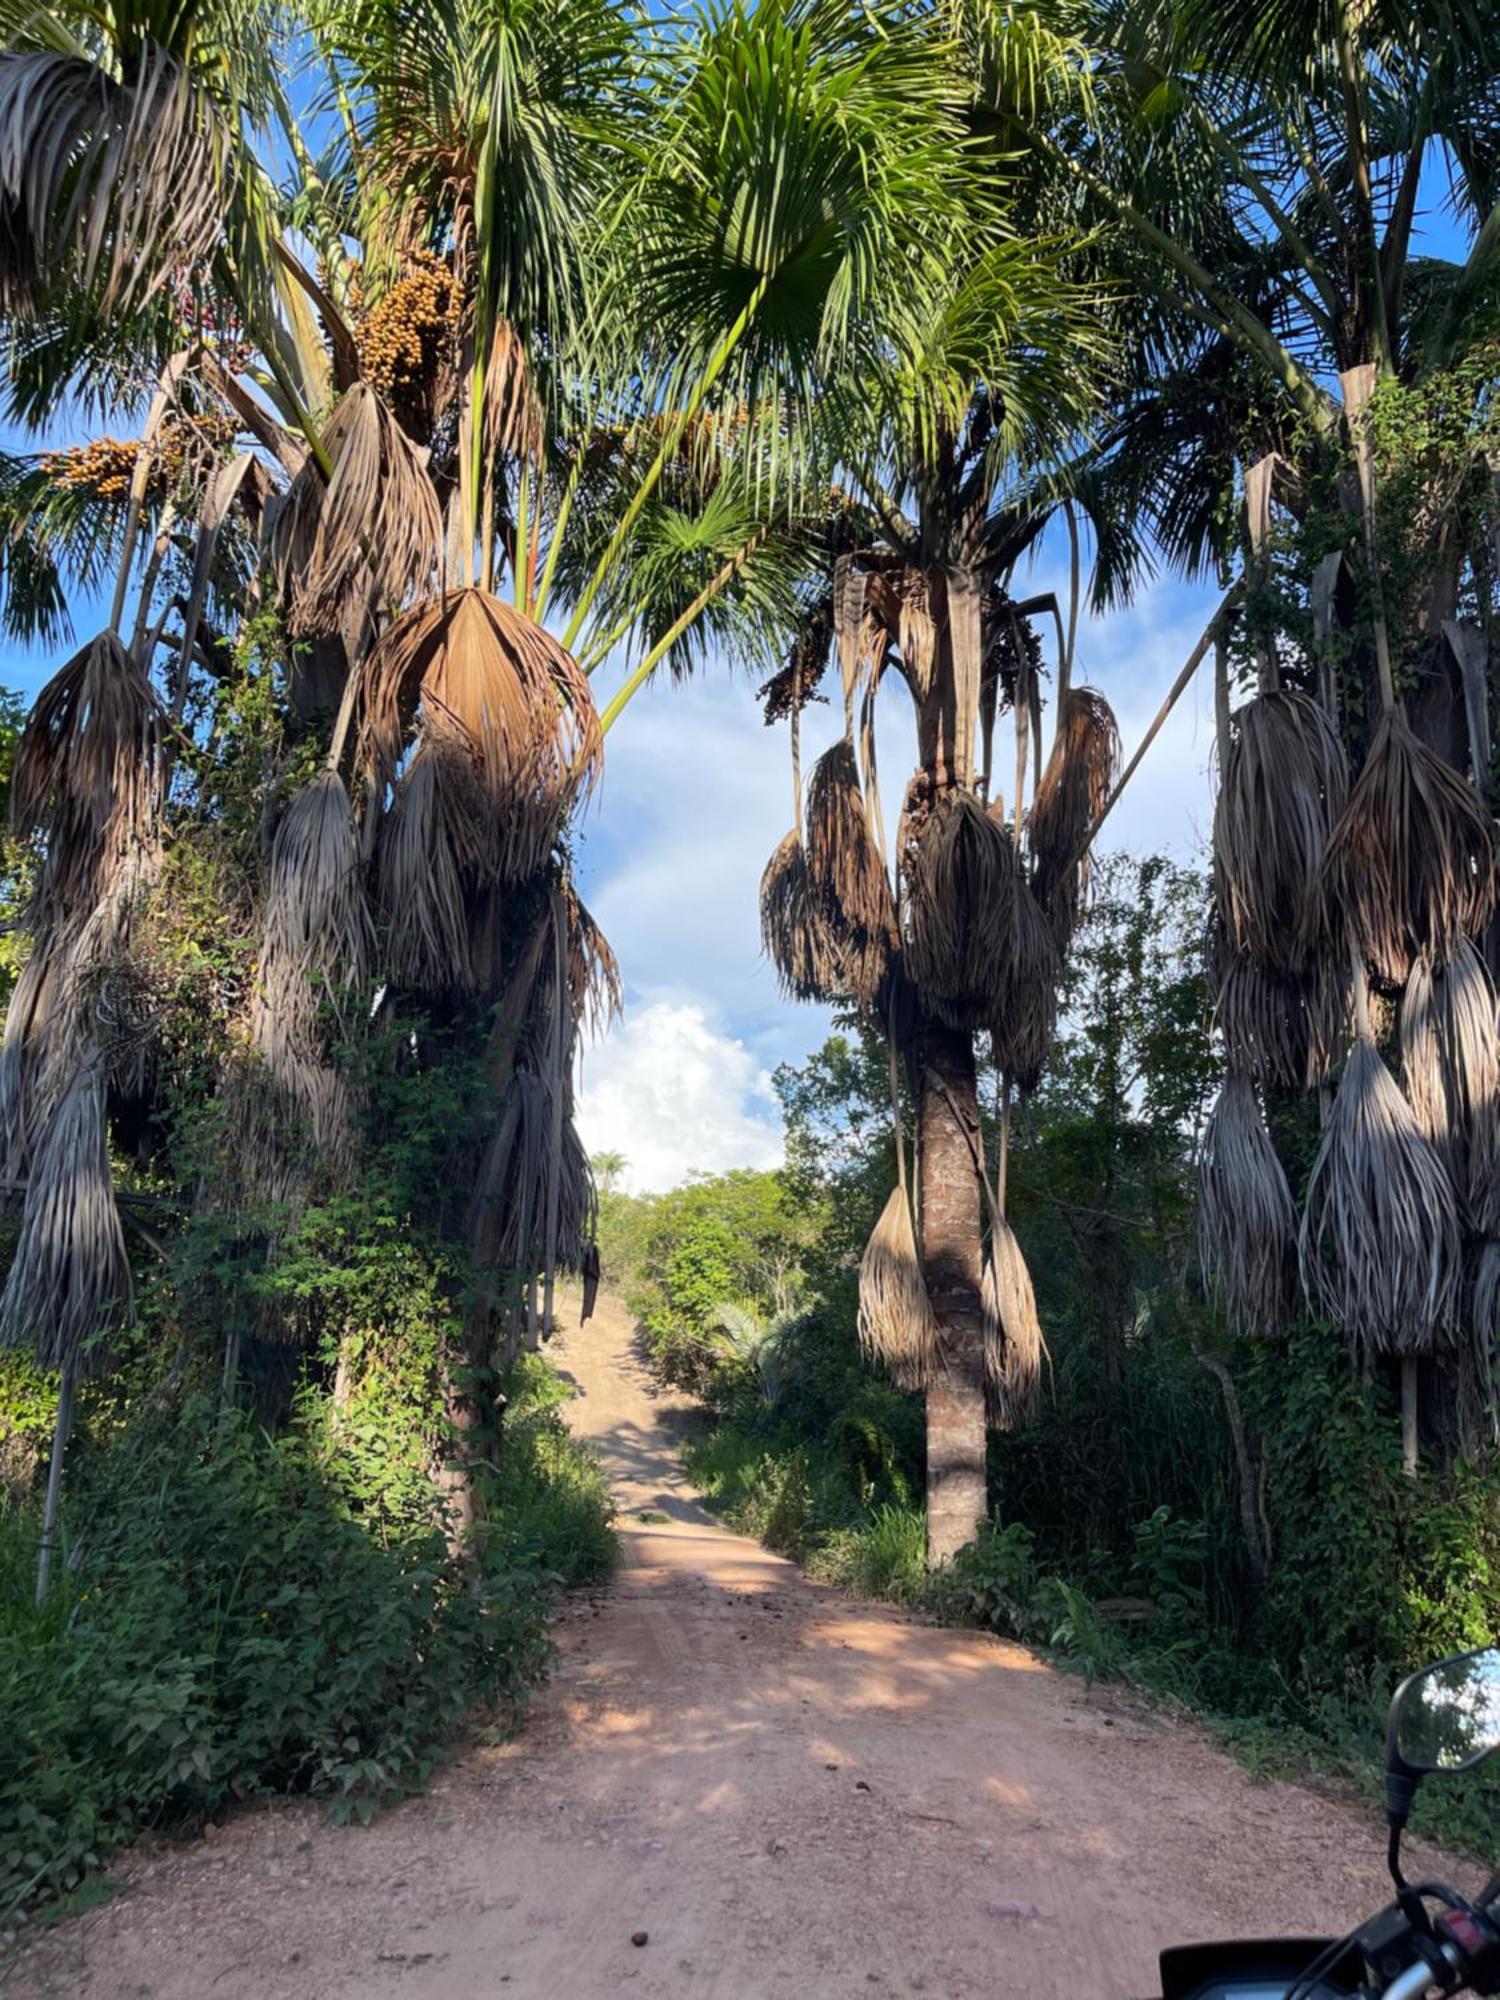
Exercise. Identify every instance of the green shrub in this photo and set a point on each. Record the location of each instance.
(550, 1499)
(229, 1621)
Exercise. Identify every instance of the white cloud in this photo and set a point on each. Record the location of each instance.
(676, 1096)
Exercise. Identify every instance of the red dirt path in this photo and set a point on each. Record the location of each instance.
(786, 1793)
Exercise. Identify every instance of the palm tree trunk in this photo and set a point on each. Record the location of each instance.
(952, 1220)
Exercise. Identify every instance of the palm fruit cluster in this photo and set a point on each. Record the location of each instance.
(104, 466)
(405, 337)
(101, 467)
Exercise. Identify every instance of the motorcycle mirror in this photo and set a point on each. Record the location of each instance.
(1445, 1718)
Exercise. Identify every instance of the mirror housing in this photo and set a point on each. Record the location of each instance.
(1446, 1717)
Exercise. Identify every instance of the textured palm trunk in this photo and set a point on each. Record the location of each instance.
(952, 1220)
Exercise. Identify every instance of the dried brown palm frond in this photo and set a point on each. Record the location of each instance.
(964, 593)
(27, 1017)
(841, 854)
(977, 943)
(920, 607)
(847, 876)
(1021, 1034)
(368, 537)
(69, 1279)
(1262, 1016)
(593, 970)
(793, 929)
(1379, 1244)
(1283, 783)
(1411, 861)
(1326, 1003)
(87, 771)
(316, 916)
(1484, 1318)
(512, 414)
(1013, 1344)
(507, 1205)
(591, 1273)
(1081, 769)
(1246, 1224)
(113, 187)
(316, 1095)
(1450, 1069)
(505, 709)
(289, 1128)
(897, 1326)
(578, 1207)
(83, 983)
(420, 887)
(850, 629)
(961, 877)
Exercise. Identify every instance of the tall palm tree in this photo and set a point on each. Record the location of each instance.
(544, 392)
(1310, 410)
(959, 928)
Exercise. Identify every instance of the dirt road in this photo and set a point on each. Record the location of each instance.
(781, 1793)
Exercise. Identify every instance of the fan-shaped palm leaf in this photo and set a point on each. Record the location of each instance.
(366, 538)
(506, 710)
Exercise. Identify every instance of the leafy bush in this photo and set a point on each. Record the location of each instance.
(231, 1620)
(725, 1240)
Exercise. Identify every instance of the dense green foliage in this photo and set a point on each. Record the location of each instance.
(241, 1613)
(1116, 1533)
(263, 1591)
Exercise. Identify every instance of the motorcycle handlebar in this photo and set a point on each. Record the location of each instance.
(1411, 1984)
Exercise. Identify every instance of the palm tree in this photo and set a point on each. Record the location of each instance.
(961, 927)
(608, 1170)
(544, 393)
(1303, 370)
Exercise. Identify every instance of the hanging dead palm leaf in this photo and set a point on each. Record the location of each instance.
(897, 1326)
(961, 875)
(507, 713)
(1283, 784)
(1081, 770)
(1450, 1068)
(594, 988)
(315, 915)
(1411, 859)
(420, 887)
(920, 606)
(793, 929)
(87, 773)
(1262, 1017)
(1484, 1318)
(1379, 1244)
(1246, 1224)
(1013, 1344)
(851, 631)
(365, 539)
(977, 944)
(112, 186)
(505, 1212)
(512, 414)
(848, 876)
(69, 1280)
